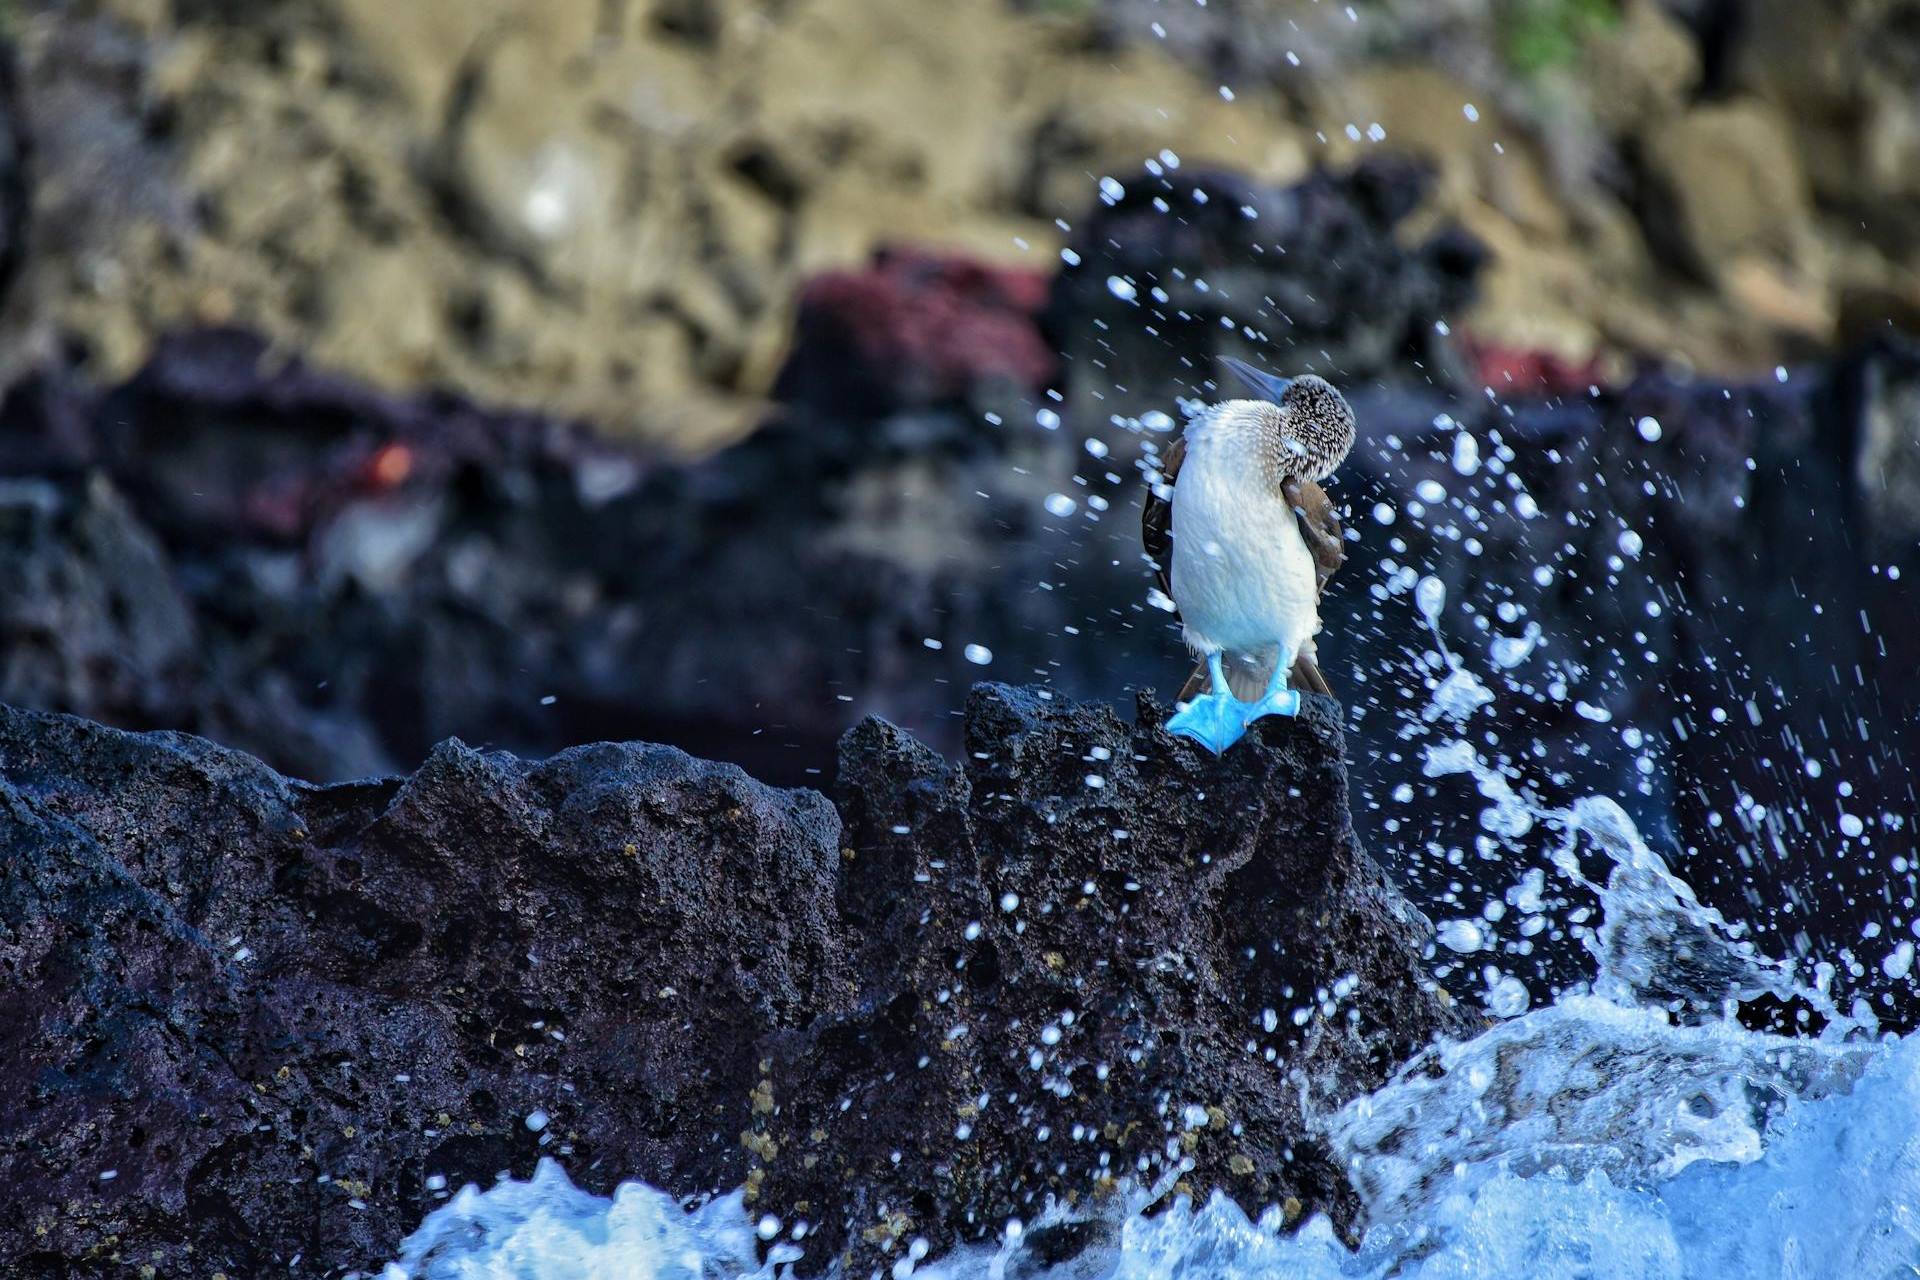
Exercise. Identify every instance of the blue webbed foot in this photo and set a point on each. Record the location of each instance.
(1217, 720)
(1214, 720)
(1277, 702)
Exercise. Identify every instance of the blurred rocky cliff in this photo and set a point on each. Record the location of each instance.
(608, 208)
(358, 351)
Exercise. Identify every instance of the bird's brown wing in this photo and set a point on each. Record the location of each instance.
(1319, 528)
(1156, 517)
(1326, 543)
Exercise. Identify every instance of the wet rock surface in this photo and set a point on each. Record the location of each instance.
(251, 1018)
(255, 1018)
(1121, 953)
(1665, 588)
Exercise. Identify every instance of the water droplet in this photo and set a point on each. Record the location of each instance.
(1466, 455)
(1900, 963)
(1508, 998)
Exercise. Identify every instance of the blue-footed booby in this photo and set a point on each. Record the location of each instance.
(1245, 540)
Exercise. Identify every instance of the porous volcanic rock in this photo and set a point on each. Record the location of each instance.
(253, 1018)
(248, 1017)
(1111, 953)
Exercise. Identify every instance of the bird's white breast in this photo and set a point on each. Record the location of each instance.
(1242, 575)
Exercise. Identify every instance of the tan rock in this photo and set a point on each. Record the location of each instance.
(1874, 295)
(640, 187)
(842, 226)
(1533, 298)
(420, 46)
(148, 17)
(1105, 117)
(1732, 180)
(1814, 63)
(399, 288)
(1779, 298)
(905, 99)
(1640, 71)
(531, 168)
(1423, 110)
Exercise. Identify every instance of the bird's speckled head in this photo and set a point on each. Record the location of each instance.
(1317, 424)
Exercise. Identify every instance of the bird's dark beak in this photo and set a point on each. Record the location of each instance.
(1264, 385)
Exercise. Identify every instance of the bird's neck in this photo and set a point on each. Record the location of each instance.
(1241, 434)
(1231, 426)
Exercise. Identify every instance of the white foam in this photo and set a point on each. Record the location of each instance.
(1597, 1159)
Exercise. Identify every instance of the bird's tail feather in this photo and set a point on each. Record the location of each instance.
(1307, 676)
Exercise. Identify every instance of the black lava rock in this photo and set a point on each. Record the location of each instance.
(251, 1018)
(1109, 953)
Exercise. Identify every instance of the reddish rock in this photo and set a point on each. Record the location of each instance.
(1530, 372)
(913, 329)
